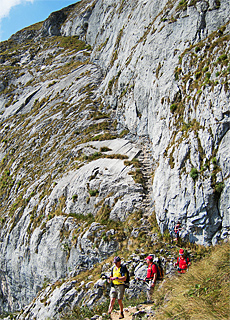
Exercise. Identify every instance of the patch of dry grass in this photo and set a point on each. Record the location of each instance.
(202, 293)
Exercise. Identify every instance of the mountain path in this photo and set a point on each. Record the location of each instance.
(146, 162)
(130, 311)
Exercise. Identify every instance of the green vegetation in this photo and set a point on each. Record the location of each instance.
(135, 162)
(85, 312)
(89, 218)
(123, 133)
(48, 153)
(74, 197)
(105, 149)
(173, 107)
(203, 65)
(55, 133)
(93, 193)
(219, 187)
(202, 293)
(194, 173)
(137, 176)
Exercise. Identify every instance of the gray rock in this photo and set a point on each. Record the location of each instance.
(53, 104)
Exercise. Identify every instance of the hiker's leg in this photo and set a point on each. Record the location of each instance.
(121, 291)
(151, 294)
(150, 291)
(121, 308)
(120, 305)
(113, 296)
(112, 301)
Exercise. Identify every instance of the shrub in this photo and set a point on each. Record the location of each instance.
(194, 173)
(135, 162)
(214, 161)
(222, 57)
(208, 76)
(219, 187)
(197, 75)
(95, 156)
(137, 176)
(117, 156)
(105, 149)
(124, 133)
(93, 193)
(173, 107)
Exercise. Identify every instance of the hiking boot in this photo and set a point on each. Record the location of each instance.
(121, 315)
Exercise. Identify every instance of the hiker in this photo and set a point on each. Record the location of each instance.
(150, 278)
(154, 272)
(177, 229)
(182, 262)
(117, 278)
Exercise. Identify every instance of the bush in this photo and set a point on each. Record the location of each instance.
(93, 193)
(219, 187)
(105, 149)
(197, 75)
(135, 162)
(208, 76)
(74, 197)
(95, 156)
(214, 161)
(194, 173)
(173, 107)
(222, 57)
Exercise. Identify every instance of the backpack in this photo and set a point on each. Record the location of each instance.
(160, 271)
(186, 258)
(124, 270)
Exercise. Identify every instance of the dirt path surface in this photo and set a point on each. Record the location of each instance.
(128, 312)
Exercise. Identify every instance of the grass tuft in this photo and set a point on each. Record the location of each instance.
(202, 293)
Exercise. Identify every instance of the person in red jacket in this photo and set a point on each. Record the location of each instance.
(182, 262)
(150, 278)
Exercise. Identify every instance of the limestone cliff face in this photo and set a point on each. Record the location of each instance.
(166, 79)
(83, 96)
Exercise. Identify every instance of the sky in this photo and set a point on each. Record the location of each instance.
(18, 14)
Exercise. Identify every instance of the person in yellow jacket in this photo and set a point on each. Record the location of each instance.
(117, 278)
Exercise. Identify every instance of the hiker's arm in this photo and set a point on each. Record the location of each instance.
(154, 280)
(118, 278)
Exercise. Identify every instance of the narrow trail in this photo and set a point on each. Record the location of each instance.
(132, 312)
(146, 162)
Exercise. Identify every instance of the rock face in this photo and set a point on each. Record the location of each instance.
(82, 95)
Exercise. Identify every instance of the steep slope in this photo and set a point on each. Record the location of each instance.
(83, 95)
(163, 84)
